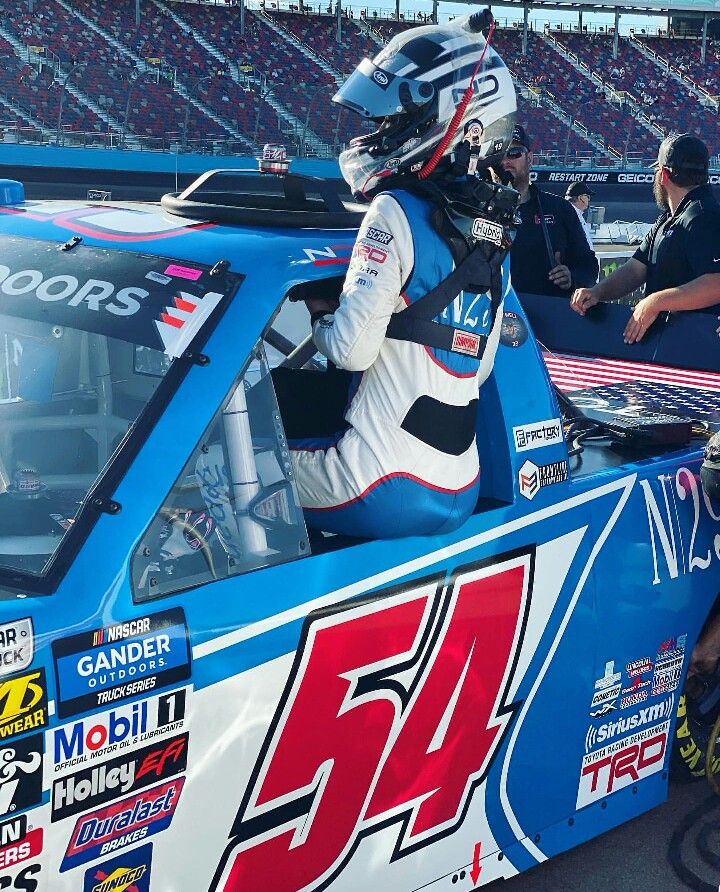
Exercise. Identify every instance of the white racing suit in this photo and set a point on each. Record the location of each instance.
(408, 463)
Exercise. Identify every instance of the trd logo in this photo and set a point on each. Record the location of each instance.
(623, 763)
(393, 712)
(370, 253)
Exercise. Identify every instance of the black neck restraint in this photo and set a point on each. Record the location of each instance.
(474, 217)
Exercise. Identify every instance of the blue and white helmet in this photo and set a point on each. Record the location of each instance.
(413, 87)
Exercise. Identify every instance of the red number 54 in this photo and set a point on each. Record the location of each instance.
(394, 710)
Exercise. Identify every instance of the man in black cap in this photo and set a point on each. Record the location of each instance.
(550, 254)
(679, 259)
(579, 195)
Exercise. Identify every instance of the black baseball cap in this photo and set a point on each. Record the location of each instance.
(519, 135)
(683, 152)
(574, 190)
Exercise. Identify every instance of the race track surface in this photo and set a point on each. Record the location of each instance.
(633, 857)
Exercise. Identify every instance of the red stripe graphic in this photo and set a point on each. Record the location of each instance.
(172, 320)
(184, 305)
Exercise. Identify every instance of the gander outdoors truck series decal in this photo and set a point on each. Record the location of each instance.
(112, 664)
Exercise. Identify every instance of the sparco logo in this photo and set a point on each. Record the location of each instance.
(608, 730)
(484, 230)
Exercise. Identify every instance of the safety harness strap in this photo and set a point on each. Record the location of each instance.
(475, 274)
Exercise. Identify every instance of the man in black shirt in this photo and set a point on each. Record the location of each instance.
(679, 259)
(550, 254)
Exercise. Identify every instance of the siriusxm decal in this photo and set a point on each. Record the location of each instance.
(118, 825)
(125, 873)
(111, 664)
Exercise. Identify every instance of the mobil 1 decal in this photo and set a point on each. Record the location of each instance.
(98, 736)
(104, 781)
(129, 872)
(104, 666)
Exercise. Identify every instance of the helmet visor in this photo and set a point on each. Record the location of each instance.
(376, 93)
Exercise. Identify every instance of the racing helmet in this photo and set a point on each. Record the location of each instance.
(413, 88)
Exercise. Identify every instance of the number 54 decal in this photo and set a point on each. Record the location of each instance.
(393, 712)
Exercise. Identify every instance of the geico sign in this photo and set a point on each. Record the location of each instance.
(636, 177)
(620, 764)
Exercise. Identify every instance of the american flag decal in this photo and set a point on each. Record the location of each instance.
(179, 323)
(579, 372)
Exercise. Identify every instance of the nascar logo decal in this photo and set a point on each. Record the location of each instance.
(393, 713)
(104, 666)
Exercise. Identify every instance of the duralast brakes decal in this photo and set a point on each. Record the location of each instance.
(116, 826)
(108, 665)
(351, 748)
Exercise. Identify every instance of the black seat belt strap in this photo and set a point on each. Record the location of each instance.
(415, 323)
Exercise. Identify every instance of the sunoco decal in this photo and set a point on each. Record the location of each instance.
(125, 873)
(17, 645)
(122, 823)
(111, 664)
(125, 774)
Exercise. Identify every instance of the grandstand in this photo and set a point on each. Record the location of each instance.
(215, 77)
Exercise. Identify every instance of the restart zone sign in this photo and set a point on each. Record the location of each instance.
(105, 666)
